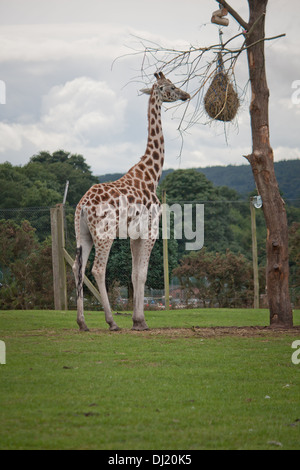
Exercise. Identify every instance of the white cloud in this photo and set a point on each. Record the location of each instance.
(85, 108)
(62, 93)
(286, 153)
(79, 113)
(10, 139)
(56, 42)
(115, 157)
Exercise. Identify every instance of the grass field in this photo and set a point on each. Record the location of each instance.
(184, 384)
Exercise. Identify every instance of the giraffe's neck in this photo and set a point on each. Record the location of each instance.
(151, 163)
(155, 134)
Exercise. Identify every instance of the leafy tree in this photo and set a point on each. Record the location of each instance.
(186, 186)
(41, 182)
(222, 279)
(38, 192)
(62, 166)
(26, 266)
(15, 241)
(13, 183)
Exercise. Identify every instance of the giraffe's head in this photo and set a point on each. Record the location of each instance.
(166, 90)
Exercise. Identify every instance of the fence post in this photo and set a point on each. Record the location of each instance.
(58, 260)
(254, 256)
(165, 251)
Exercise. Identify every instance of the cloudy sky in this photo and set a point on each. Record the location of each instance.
(66, 90)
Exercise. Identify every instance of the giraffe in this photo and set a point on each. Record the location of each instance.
(95, 224)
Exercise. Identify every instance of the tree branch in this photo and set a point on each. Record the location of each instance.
(234, 14)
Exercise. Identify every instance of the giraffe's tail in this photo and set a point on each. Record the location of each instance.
(77, 267)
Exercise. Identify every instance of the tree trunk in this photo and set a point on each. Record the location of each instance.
(261, 160)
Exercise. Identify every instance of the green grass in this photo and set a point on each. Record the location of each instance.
(161, 389)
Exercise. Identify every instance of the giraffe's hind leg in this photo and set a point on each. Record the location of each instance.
(99, 268)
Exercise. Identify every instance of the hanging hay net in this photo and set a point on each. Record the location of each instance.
(221, 101)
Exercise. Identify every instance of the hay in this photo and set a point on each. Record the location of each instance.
(221, 101)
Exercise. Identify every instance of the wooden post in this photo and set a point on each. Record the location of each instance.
(86, 281)
(165, 251)
(254, 255)
(58, 260)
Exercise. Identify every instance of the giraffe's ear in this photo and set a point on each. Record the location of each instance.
(147, 91)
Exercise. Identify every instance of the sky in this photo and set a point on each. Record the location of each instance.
(70, 78)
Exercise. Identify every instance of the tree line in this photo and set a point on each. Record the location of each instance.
(239, 177)
(219, 274)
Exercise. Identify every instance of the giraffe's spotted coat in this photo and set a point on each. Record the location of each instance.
(138, 186)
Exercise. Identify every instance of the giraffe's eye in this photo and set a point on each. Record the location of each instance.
(161, 88)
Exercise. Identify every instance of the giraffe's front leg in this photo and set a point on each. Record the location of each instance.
(141, 250)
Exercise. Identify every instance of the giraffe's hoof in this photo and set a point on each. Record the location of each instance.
(84, 328)
(140, 326)
(114, 328)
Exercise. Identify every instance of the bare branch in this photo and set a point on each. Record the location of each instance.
(195, 67)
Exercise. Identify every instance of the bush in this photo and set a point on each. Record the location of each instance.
(217, 279)
(26, 266)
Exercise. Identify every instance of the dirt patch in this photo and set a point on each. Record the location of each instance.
(218, 331)
(174, 333)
